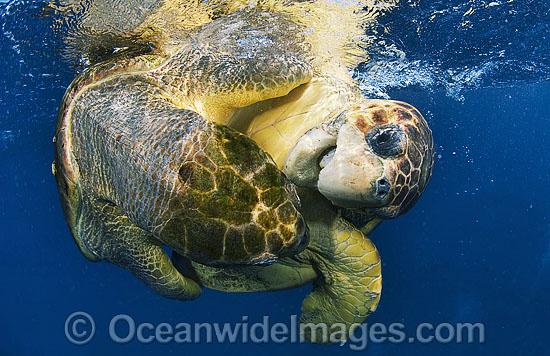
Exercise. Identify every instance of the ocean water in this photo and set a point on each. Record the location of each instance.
(475, 248)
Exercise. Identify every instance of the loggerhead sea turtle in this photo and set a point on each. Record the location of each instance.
(228, 64)
(371, 159)
(136, 169)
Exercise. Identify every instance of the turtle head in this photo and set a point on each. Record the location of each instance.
(374, 158)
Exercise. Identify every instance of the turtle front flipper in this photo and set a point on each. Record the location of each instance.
(348, 265)
(349, 289)
(234, 62)
(110, 236)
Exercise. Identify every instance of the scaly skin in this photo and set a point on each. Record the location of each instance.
(350, 287)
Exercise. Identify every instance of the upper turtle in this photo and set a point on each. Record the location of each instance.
(142, 160)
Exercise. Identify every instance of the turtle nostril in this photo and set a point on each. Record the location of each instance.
(382, 188)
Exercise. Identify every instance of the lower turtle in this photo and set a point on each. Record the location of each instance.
(383, 155)
(355, 162)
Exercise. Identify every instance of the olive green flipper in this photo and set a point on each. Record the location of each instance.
(349, 289)
(110, 235)
(286, 273)
(233, 63)
(236, 83)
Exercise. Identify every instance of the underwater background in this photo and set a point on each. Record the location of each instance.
(475, 248)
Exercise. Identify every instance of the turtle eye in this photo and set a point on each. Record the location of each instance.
(386, 140)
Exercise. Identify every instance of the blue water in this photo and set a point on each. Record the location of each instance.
(476, 247)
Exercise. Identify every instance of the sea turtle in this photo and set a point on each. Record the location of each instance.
(136, 169)
(355, 161)
(130, 179)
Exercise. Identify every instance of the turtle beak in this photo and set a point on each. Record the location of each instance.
(350, 176)
(341, 168)
(302, 163)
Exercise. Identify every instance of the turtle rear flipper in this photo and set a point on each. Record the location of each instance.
(110, 236)
(287, 273)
